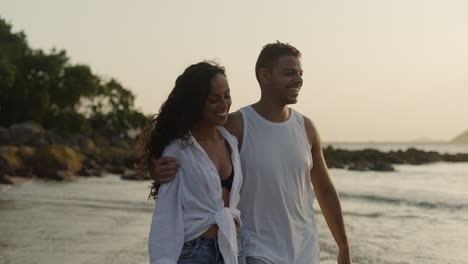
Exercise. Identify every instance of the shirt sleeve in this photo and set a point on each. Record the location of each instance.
(166, 236)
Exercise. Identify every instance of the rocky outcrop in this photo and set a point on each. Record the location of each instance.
(371, 159)
(57, 162)
(461, 139)
(29, 151)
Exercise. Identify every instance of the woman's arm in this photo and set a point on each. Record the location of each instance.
(166, 237)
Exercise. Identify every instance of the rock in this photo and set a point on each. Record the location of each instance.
(63, 176)
(101, 141)
(359, 166)
(25, 133)
(119, 142)
(370, 159)
(26, 153)
(91, 164)
(461, 157)
(5, 179)
(16, 161)
(27, 127)
(88, 172)
(335, 164)
(10, 157)
(84, 172)
(51, 159)
(58, 175)
(114, 156)
(132, 175)
(81, 142)
(382, 166)
(4, 168)
(114, 169)
(5, 137)
(24, 172)
(53, 139)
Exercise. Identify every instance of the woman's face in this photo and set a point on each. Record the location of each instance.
(218, 101)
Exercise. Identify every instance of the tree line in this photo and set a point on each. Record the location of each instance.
(45, 87)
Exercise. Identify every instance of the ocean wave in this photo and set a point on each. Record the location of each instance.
(436, 205)
(88, 202)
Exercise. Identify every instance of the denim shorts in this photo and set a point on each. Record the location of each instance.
(205, 250)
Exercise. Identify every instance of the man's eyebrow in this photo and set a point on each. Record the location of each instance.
(292, 70)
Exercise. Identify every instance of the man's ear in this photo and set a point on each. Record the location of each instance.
(264, 75)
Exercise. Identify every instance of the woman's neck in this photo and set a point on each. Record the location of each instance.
(205, 132)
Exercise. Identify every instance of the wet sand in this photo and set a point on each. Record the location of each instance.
(95, 220)
(77, 222)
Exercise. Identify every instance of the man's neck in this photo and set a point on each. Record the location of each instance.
(273, 112)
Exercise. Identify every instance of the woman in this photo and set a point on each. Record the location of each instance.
(195, 219)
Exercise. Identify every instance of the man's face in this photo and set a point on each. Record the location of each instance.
(285, 80)
(218, 101)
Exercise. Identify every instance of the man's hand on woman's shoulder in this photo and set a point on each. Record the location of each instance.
(164, 169)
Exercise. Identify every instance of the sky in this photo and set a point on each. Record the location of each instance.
(375, 70)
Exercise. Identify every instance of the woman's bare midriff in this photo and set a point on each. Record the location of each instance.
(212, 232)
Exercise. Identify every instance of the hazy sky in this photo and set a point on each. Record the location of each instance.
(382, 70)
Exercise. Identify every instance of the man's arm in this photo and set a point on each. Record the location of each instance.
(164, 169)
(326, 194)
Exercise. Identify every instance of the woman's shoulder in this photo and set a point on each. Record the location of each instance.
(226, 134)
(173, 149)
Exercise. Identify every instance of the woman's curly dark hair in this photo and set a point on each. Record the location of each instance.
(177, 115)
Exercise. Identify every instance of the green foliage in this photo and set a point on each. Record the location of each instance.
(46, 88)
(68, 120)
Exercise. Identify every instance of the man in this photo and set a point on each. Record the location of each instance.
(283, 168)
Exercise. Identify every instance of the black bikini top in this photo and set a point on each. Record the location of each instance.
(227, 183)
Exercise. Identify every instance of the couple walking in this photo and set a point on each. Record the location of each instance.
(238, 187)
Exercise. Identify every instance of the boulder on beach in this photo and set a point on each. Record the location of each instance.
(115, 156)
(132, 175)
(10, 157)
(25, 133)
(81, 143)
(51, 159)
(5, 137)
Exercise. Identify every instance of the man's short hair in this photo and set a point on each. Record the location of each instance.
(271, 53)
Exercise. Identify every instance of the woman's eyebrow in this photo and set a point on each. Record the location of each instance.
(215, 94)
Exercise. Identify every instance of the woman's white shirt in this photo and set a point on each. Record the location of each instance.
(187, 206)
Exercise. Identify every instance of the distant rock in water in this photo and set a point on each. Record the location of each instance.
(461, 139)
(371, 159)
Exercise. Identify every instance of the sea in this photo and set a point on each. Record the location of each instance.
(416, 214)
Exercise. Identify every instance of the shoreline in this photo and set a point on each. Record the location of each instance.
(32, 152)
(355, 160)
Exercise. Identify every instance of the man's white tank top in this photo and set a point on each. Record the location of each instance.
(277, 196)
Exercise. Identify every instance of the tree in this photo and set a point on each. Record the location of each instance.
(46, 88)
